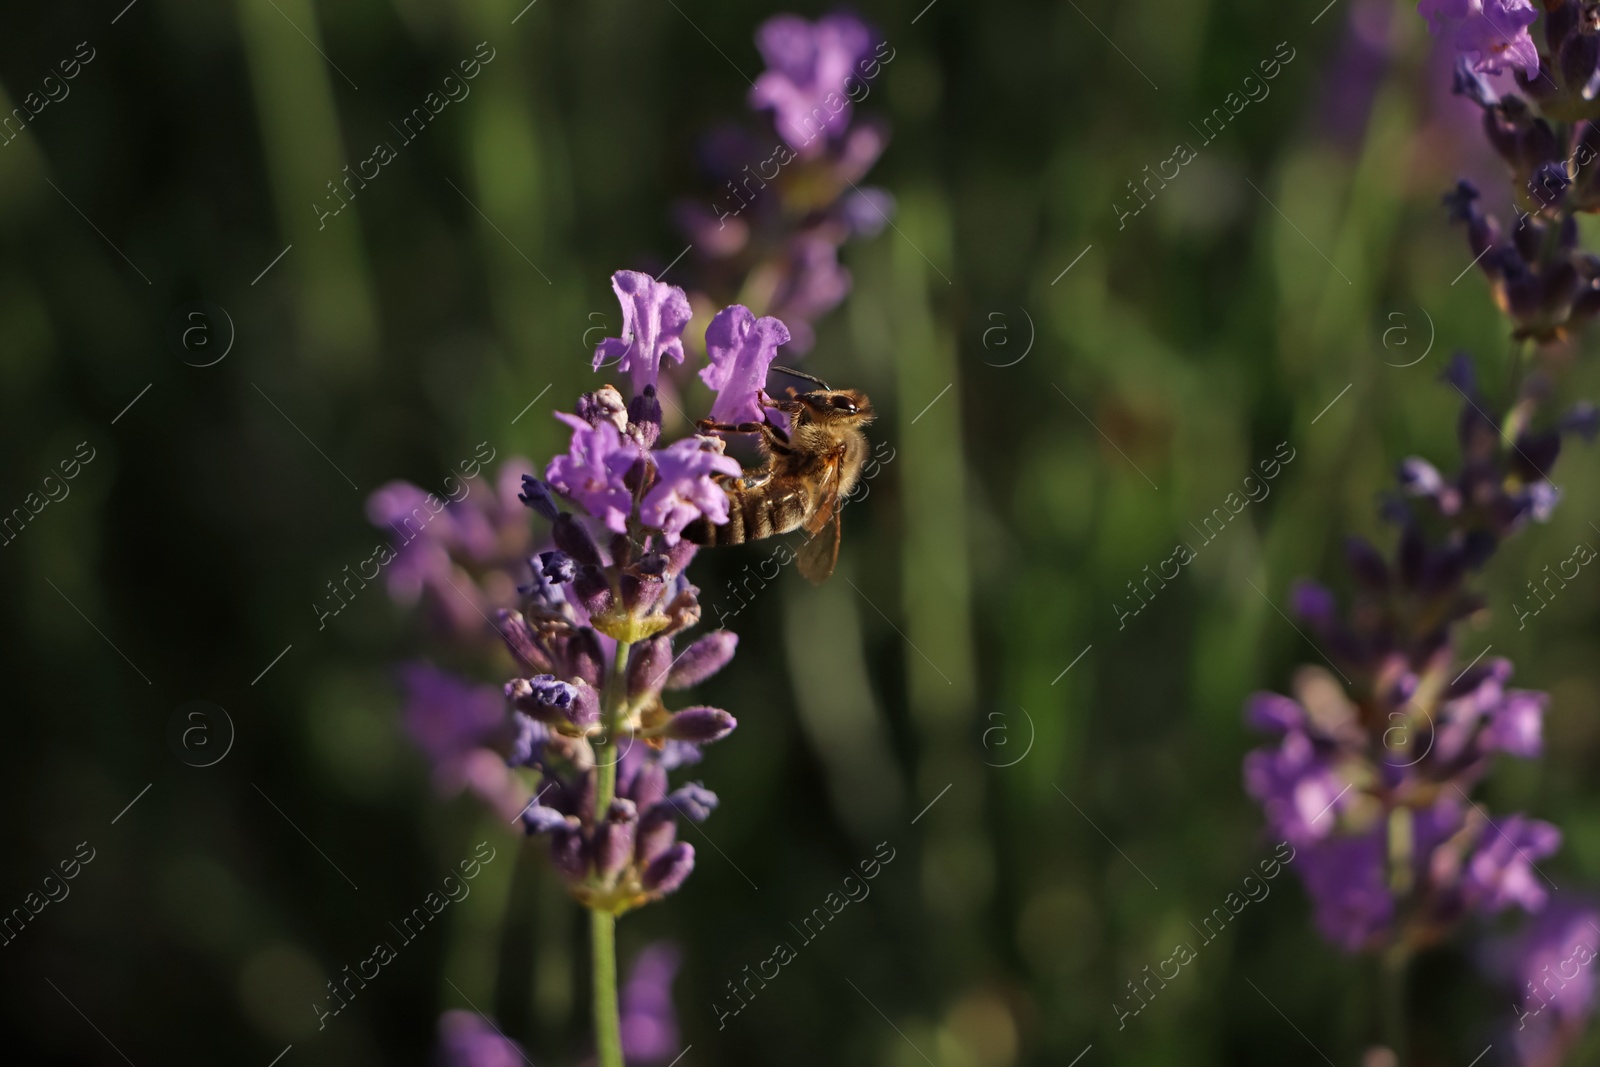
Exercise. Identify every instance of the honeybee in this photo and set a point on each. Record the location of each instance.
(807, 474)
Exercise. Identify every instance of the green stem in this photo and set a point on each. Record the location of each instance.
(612, 699)
(607, 1019)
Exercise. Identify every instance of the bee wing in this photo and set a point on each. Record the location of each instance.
(818, 555)
(827, 491)
(820, 552)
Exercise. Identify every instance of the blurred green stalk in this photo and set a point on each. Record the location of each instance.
(607, 1020)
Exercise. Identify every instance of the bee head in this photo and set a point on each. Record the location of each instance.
(848, 407)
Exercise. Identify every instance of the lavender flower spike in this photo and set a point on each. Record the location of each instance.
(1495, 31)
(742, 348)
(653, 317)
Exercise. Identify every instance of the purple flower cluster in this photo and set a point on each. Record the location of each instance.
(598, 627)
(466, 733)
(1493, 32)
(630, 855)
(1372, 771)
(456, 551)
(1548, 134)
(782, 209)
(594, 630)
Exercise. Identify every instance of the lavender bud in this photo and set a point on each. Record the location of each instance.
(701, 725)
(572, 537)
(594, 592)
(648, 665)
(536, 494)
(693, 801)
(644, 418)
(613, 839)
(1366, 563)
(567, 852)
(678, 557)
(621, 550)
(538, 819)
(656, 833)
(669, 870)
(584, 658)
(641, 594)
(1314, 603)
(584, 711)
(543, 697)
(519, 638)
(708, 655)
(557, 566)
(529, 738)
(649, 785)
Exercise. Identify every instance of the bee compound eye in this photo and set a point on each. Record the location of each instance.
(845, 404)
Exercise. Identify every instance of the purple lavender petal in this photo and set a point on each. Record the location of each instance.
(805, 81)
(467, 1039)
(653, 317)
(741, 348)
(865, 212)
(1501, 871)
(557, 567)
(1516, 725)
(1538, 964)
(1346, 880)
(813, 284)
(591, 473)
(1494, 31)
(684, 489)
(649, 1023)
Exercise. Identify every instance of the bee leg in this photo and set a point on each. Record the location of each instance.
(707, 426)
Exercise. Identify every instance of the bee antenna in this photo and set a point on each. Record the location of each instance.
(801, 374)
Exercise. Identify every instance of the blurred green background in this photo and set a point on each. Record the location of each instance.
(1176, 353)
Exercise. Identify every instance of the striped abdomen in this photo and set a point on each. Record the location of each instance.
(773, 508)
